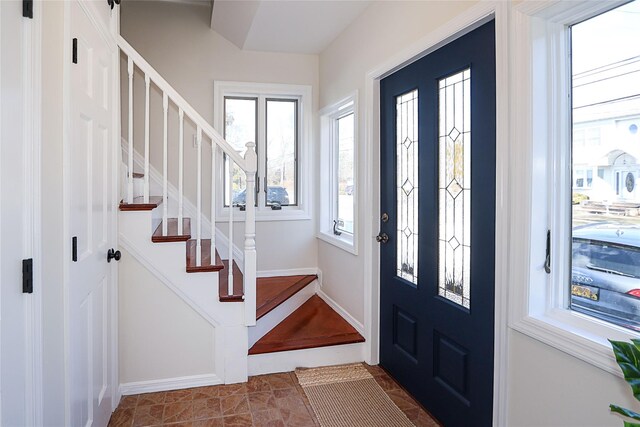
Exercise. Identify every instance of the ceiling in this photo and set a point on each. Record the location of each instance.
(289, 26)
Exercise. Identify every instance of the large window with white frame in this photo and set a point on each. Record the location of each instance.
(277, 118)
(575, 234)
(338, 190)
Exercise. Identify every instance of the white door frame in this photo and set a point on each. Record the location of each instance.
(109, 34)
(30, 190)
(453, 29)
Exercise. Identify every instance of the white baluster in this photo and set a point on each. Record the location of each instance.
(214, 149)
(130, 132)
(147, 81)
(199, 201)
(230, 180)
(180, 170)
(250, 257)
(165, 161)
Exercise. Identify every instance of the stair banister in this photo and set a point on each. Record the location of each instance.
(179, 101)
(250, 256)
(147, 82)
(230, 256)
(180, 170)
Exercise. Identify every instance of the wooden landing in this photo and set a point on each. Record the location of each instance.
(273, 291)
(172, 231)
(139, 204)
(314, 324)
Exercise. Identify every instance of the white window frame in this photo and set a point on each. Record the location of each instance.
(264, 91)
(329, 117)
(541, 120)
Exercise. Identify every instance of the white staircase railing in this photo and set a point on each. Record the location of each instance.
(248, 164)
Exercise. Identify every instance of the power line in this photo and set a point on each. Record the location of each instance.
(606, 78)
(627, 61)
(610, 101)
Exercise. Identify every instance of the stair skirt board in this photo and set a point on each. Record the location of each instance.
(342, 312)
(169, 384)
(281, 312)
(286, 361)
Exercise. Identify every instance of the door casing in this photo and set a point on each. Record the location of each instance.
(462, 24)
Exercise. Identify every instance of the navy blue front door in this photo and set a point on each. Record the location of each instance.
(438, 210)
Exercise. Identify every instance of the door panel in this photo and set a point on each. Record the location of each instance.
(90, 220)
(438, 188)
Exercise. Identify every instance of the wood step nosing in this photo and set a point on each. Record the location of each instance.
(284, 295)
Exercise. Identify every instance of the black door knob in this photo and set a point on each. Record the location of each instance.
(113, 254)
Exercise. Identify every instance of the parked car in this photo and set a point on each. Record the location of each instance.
(605, 274)
(275, 195)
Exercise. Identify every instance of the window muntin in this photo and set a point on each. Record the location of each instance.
(345, 185)
(605, 264)
(407, 185)
(240, 127)
(281, 152)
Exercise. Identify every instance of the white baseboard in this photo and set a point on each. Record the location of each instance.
(289, 272)
(287, 361)
(342, 312)
(168, 384)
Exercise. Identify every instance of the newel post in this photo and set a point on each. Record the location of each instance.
(250, 258)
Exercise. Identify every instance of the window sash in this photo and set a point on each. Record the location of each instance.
(296, 103)
(336, 171)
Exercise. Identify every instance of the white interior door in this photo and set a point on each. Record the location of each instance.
(90, 221)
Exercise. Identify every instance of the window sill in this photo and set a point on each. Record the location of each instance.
(285, 214)
(346, 243)
(576, 334)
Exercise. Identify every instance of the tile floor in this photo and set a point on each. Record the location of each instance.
(275, 400)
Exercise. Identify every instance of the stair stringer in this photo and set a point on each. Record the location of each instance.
(167, 262)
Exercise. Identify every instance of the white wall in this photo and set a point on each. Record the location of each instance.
(382, 30)
(160, 336)
(546, 387)
(550, 388)
(177, 41)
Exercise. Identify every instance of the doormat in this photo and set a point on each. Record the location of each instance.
(348, 396)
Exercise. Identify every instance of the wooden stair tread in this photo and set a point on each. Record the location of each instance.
(139, 204)
(172, 231)
(206, 257)
(223, 280)
(273, 291)
(314, 324)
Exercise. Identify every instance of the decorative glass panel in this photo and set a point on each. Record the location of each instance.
(455, 187)
(407, 185)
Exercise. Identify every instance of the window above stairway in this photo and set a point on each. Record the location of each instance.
(278, 119)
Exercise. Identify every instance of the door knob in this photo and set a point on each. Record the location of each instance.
(113, 254)
(382, 238)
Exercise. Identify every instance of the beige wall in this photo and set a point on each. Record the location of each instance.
(160, 336)
(384, 29)
(546, 387)
(177, 41)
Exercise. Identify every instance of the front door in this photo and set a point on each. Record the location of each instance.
(89, 187)
(437, 165)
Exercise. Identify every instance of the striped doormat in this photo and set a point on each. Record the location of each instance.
(348, 396)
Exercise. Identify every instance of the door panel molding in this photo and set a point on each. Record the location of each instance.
(458, 26)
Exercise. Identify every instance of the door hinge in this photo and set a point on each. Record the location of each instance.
(27, 276)
(27, 8)
(74, 55)
(547, 259)
(74, 248)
